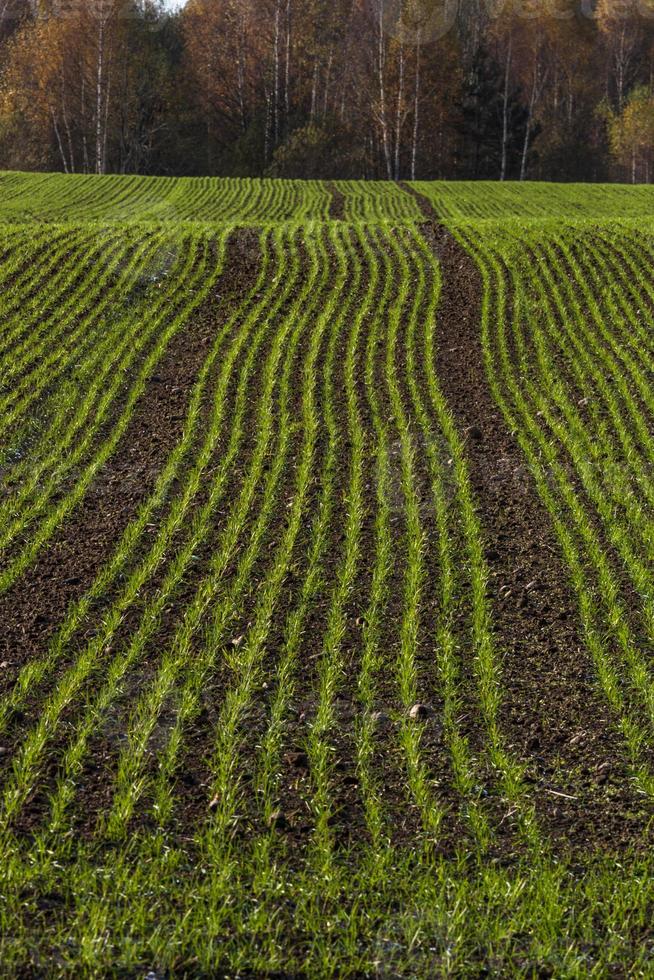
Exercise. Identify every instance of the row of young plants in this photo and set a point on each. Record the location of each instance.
(287, 256)
(565, 371)
(472, 202)
(319, 479)
(371, 292)
(36, 198)
(60, 351)
(97, 396)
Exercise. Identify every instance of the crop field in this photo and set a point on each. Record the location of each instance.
(326, 579)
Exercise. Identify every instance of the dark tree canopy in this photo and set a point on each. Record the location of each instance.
(391, 89)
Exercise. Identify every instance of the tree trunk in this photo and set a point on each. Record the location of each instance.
(276, 77)
(400, 100)
(69, 137)
(325, 102)
(314, 92)
(62, 152)
(98, 94)
(85, 146)
(525, 145)
(505, 110)
(381, 62)
(266, 139)
(416, 111)
(106, 125)
(240, 74)
(621, 70)
(287, 67)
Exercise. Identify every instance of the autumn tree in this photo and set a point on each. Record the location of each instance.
(392, 89)
(632, 135)
(83, 87)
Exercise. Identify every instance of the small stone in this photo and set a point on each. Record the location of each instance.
(213, 806)
(278, 821)
(419, 712)
(602, 773)
(380, 719)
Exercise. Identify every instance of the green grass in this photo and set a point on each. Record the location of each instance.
(308, 563)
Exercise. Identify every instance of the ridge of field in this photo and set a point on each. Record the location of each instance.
(473, 202)
(67, 198)
(259, 709)
(63, 198)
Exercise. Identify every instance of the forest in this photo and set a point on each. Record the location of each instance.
(342, 89)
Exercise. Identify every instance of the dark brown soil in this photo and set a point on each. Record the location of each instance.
(195, 771)
(337, 206)
(553, 714)
(296, 820)
(402, 819)
(64, 571)
(193, 777)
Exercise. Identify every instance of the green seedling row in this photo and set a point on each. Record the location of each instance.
(269, 728)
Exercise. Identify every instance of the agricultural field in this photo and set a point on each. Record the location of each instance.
(326, 590)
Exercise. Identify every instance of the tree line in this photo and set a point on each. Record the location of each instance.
(391, 89)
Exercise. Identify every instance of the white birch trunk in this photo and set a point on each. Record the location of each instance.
(85, 147)
(314, 92)
(266, 140)
(525, 145)
(381, 63)
(106, 125)
(240, 74)
(416, 109)
(60, 144)
(328, 78)
(69, 136)
(98, 93)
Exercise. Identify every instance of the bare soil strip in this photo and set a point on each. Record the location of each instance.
(554, 718)
(337, 206)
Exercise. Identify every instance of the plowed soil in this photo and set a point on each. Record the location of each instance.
(553, 714)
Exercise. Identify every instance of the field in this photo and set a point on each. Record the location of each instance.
(326, 579)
